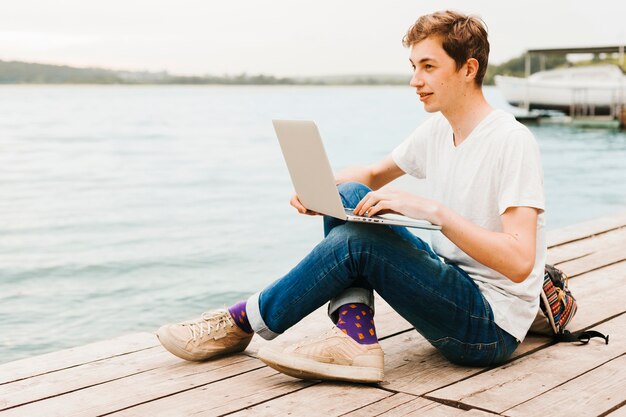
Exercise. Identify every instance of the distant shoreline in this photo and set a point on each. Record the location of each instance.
(20, 73)
(33, 84)
(25, 73)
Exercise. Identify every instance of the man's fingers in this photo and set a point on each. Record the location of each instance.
(366, 203)
(359, 207)
(295, 202)
(376, 209)
(373, 210)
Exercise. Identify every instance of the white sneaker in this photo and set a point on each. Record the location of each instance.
(333, 356)
(213, 334)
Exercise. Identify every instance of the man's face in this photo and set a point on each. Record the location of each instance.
(435, 78)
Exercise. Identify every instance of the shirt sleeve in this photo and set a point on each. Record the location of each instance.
(411, 155)
(521, 181)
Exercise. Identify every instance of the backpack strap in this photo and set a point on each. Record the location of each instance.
(583, 337)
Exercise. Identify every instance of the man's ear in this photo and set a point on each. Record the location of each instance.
(471, 68)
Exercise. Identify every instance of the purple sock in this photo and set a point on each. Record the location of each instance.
(357, 321)
(238, 313)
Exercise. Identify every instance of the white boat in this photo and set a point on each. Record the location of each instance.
(585, 90)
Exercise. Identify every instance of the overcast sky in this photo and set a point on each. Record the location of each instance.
(280, 37)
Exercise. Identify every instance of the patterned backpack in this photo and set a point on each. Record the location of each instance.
(557, 308)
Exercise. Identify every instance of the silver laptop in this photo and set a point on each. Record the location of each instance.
(313, 177)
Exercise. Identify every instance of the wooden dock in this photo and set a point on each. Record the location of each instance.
(133, 376)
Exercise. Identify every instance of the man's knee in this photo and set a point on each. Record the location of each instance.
(353, 238)
(344, 234)
(352, 192)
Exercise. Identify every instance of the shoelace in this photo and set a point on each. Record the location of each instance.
(210, 321)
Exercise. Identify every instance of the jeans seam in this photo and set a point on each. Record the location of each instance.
(478, 346)
(486, 304)
(282, 313)
(501, 340)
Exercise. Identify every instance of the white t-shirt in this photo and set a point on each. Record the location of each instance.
(497, 166)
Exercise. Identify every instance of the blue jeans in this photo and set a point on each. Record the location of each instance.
(443, 303)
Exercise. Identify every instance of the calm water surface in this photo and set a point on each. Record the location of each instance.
(122, 208)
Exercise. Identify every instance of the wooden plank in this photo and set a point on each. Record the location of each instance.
(593, 261)
(24, 368)
(92, 373)
(441, 410)
(599, 295)
(327, 399)
(478, 413)
(136, 389)
(620, 412)
(401, 405)
(221, 397)
(414, 366)
(505, 387)
(590, 394)
(393, 406)
(584, 247)
(585, 229)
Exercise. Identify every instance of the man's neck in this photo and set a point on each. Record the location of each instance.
(467, 114)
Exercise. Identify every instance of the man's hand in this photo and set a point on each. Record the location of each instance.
(392, 200)
(295, 202)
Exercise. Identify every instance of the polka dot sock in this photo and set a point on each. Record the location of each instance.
(238, 313)
(357, 321)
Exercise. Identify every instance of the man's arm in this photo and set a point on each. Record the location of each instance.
(510, 252)
(374, 176)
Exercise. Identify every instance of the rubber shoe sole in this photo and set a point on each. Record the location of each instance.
(304, 368)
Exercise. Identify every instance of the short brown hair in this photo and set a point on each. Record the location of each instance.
(463, 37)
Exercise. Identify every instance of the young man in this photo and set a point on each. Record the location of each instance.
(474, 296)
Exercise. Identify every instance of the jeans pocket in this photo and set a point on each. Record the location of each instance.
(466, 354)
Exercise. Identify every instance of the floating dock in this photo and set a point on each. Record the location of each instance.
(586, 122)
(134, 376)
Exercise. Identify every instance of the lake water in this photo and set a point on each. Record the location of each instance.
(117, 202)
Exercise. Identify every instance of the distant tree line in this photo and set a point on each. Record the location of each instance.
(29, 73)
(12, 72)
(22, 72)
